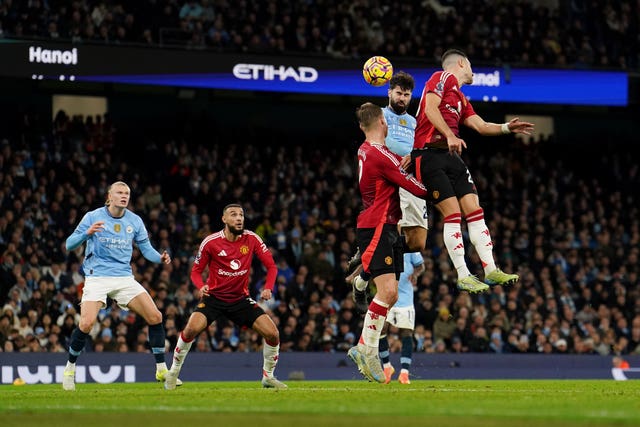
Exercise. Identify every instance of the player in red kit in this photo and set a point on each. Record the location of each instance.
(380, 177)
(227, 254)
(437, 148)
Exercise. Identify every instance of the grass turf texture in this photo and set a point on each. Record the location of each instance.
(328, 403)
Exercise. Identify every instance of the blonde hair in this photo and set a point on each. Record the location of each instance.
(107, 202)
(367, 114)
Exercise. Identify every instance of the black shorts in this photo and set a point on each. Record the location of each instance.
(445, 175)
(381, 250)
(243, 312)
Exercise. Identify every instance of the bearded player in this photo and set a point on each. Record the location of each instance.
(228, 254)
(414, 223)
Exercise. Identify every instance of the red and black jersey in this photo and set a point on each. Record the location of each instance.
(454, 107)
(380, 176)
(230, 265)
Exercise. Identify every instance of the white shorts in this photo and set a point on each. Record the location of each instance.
(414, 211)
(122, 289)
(402, 317)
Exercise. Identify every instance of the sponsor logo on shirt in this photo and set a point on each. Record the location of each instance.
(234, 264)
(222, 253)
(115, 243)
(221, 272)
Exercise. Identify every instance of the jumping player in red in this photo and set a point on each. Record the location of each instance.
(228, 254)
(437, 148)
(380, 177)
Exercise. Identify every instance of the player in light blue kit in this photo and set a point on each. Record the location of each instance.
(403, 316)
(110, 232)
(414, 223)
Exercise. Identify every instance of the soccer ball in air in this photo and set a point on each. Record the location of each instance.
(377, 70)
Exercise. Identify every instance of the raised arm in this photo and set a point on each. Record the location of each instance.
(514, 125)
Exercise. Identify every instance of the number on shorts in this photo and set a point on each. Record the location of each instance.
(469, 178)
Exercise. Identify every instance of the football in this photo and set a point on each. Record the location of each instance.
(377, 70)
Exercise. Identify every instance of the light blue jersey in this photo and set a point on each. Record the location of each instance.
(405, 287)
(108, 252)
(401, 131)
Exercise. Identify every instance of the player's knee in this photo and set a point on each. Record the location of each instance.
(154, 318)
(189, 334)
(272, 335)
(391, 296)
(85, 325)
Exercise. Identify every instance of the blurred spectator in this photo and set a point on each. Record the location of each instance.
(573, 237)
(527, 33)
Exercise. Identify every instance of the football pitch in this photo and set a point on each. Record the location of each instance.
(328, 403)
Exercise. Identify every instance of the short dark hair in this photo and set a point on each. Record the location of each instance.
(367, 113)
(451, 52)
(403, 80)
(229, 206)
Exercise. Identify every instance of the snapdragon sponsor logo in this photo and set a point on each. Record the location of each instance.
(45, 374)
(487, 79)
(232, 273)
(273, 72)
(53, 56)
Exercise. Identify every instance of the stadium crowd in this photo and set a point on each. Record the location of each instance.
(573, 237)
(576, 33)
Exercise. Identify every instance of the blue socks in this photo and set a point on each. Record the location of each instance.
(78, 340)
(156, 341)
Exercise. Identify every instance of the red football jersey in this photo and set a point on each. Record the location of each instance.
(230, 264)
(454, 107)
(380, 176)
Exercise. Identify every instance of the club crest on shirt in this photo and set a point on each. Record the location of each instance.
(244, 249)
(388, 260)
(129, 229)
(117, 227)
(435, 195)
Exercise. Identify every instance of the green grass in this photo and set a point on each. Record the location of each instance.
(328, 403)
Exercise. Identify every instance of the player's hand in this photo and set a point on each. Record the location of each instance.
(517, 126)
(405, 162)
(96, 227)
(204, 292)
(165, 257)
(456, 144)
(265, 294)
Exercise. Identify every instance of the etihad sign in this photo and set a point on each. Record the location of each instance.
(272, 72)
(39, 55)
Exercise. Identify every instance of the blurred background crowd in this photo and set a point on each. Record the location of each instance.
(566, 221)
(574, 33)
(571, 233)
